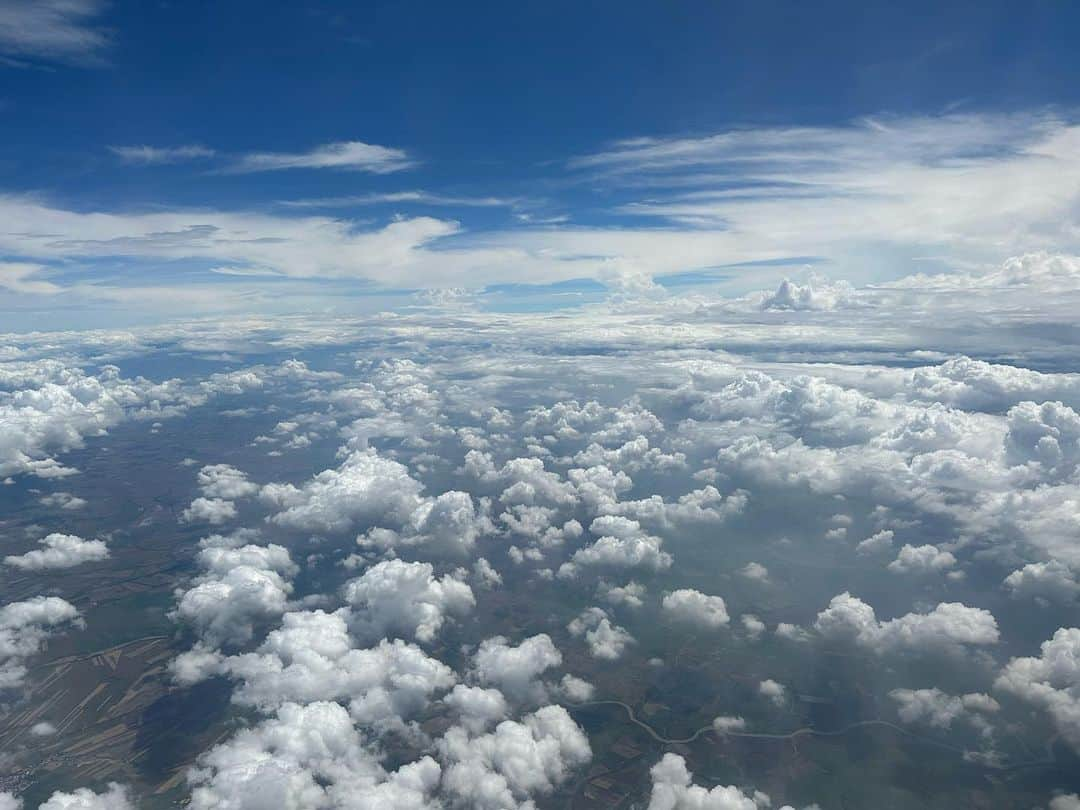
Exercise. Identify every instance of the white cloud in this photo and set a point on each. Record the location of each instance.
(947, 627)
(485, 574)
(477, 708)
(673, 789)
(694, 607)
(622, 543)
(605, 640)
(214, 511)
(506, 768)
(312, 657)
(24, 628)
(150, 155)
(224, 481)
(775, 692)
(753, 626)
(921, 560)
(22, 277)
(939, 709)
(755, 571)
(54, 31)
(115, 797)
(59, 551)
(632, 594)
(306, 756)
(575, 689)
(516, 670)
(347, 155)
(1050, 580)
(406, 598)
(1050, 681)
(62, 500)
(365, 488)
(240, 586)
(725, 723)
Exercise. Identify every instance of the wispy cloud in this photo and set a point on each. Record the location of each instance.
(419, 197)
(150, 155)
(347, 155)
(19, 277)
(870, 199)
(52, 31)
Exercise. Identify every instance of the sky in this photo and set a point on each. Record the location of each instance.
(426, 406)
(243, 157)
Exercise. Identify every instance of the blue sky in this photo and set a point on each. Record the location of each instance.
(398, 146)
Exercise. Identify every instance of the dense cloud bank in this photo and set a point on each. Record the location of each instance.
(452, 529)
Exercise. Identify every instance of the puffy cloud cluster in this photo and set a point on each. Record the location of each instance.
(114, 797)
(695, 607)
(505, 768)
(921, 560)
(673, 789)
(309, 756)
(365, 488)
(621, 543)
(48, 407)
(24, 628)
(407, 599)
(516, 669)
(59, 551)
(1051, 681)
(370, 489)
(948, 627)
(939, 709)
(240, 586)
(605, 639)
(214, 511)
(1052, 581)
(312, 657)
(224, 481)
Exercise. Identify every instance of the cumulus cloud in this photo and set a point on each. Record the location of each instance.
(59, 551)
(631, 595)
(115, 797)
(921, 560)
(725, 723)
(214, 511)
(306, 756)
(49, 407)
(694, 607)
(775, 692)
(516, 670)
(605, 640)
(407, 598)
(936, 708)
(948, 627)
(1052, 581)
(477, 708)
(519, 760)
(365, 488)
(24, 628)
(1050, 681)
(755, 571)
(240, 586)
(622, 543)
(312, 657)
(224, 481)
(63, 500)
(673, 789)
